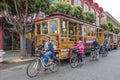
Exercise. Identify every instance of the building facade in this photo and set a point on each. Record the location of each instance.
(109, 18)
(9, 38)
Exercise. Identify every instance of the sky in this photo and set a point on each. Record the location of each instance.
(112, 6)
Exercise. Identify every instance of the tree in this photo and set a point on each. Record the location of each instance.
(116, 30)
(110, 27)
(76, 12)
(88, 16)
(2, 6)
(17, 13)
(104, 26)
(50, 10)
(59, 8)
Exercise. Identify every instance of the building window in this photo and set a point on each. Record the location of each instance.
(38, 28)
(77, 2)
(86, 7)
(44, 28)
(97, 18)
(92, 10)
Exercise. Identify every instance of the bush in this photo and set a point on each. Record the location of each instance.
(74, 11)
(88, 16)
(110, 27)
(77, 12)
(60, 8)
(104, 26)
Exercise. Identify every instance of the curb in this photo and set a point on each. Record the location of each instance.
(15, 61)
(12, 64)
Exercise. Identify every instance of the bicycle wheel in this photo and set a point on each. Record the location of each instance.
(54, 67)
(92, 56)
(84, 58)
(74, 61)
(104, 53)
(33, 68)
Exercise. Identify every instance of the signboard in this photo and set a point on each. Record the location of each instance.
(89, 41)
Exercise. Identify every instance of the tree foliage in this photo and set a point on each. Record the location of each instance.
(104, 26)
(110, 27)
(74, 11)
(77, 12)
(116, 29)
(33, 5)
(89, 17)
(2, 6)
(60, 8)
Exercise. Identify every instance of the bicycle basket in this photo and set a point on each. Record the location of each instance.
(39, 53)
(76, 50)
(92, 49)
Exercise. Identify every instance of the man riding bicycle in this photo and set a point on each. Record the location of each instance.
(49, 50)
(105, 45)
(95, 45)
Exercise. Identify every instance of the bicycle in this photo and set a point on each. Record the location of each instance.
(74, 59)
(36, 65)
(94, 55)
(104, 51)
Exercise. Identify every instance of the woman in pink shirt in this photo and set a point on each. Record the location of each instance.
(80, 46)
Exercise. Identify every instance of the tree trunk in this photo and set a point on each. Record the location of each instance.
(22, 45)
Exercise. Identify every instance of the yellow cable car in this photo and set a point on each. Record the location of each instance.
(65, 32)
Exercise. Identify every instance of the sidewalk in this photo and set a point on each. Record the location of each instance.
(12, 59)
(13, 56)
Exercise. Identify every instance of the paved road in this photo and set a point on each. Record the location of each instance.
(107, 68)
(6, 65)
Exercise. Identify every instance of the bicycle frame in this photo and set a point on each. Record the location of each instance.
(41, 60)
(94, 53)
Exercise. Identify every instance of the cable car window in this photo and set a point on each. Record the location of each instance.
(45, 28)
(64, 28)
(38, 28)
(53, 26)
